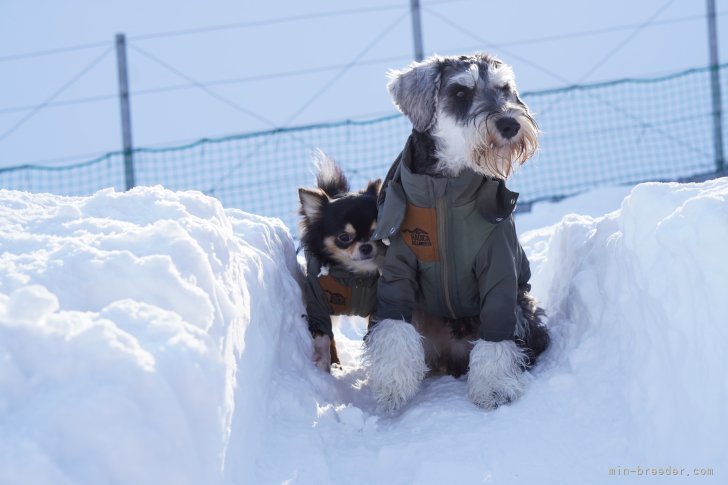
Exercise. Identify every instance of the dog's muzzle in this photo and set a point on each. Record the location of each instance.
(504, 142)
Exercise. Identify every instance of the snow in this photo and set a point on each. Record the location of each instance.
(139, 334)
(156, 337)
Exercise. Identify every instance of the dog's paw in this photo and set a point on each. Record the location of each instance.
(396, 360)
(496, 373)
(322, 352)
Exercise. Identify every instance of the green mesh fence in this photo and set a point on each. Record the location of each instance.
(619, 132)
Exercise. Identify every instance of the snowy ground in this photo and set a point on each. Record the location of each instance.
(154, 337)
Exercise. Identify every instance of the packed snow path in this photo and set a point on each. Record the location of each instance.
(154, 337)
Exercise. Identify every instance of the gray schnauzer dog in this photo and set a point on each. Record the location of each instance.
(454, 295)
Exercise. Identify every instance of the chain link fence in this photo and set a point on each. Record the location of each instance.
(618, 132)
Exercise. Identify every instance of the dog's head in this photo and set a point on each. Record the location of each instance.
(471, 108)
(336, 224)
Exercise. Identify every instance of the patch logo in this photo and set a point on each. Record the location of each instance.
(419, 232)
(338, 295)
(419, 237)
(335, 298)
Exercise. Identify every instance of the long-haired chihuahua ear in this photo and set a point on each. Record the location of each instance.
(373, 187)
(312, 203)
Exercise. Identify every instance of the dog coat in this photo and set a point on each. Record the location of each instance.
(336, 291)
(453, 249)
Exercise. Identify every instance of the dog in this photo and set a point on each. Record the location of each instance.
(454, 294)
(342, 262)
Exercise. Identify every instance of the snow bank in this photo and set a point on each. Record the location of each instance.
(139, 334)
(637, 302)
(153, 337)
(634, 379)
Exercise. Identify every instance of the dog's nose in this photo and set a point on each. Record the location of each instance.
(508, 127)
(366, 249)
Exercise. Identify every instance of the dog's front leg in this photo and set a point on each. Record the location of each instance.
(396, 360)
(322, 351)
(495, 375)
(393, 351)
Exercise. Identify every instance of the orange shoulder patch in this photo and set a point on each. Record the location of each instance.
(338, 296)
(419, 232)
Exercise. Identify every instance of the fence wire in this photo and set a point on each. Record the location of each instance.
(619, 132)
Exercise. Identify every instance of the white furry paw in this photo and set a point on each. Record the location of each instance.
(322, 352)
(496, 373)
(396, 360)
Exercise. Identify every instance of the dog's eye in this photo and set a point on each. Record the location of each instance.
(459, 90)
(344, 237)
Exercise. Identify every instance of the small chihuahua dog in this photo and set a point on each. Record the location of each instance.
(342, 262)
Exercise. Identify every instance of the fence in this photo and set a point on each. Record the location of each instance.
(624, 131)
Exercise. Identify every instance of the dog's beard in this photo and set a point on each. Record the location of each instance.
(478, 145)
(498, 157)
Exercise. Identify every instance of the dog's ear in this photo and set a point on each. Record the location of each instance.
(414, 91)
(373, 187)
(312, 203)
(329, 176)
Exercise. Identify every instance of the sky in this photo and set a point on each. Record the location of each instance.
(220, 67)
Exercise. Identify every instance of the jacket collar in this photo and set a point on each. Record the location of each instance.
(401, 186)
(423, 189)
(493, 199)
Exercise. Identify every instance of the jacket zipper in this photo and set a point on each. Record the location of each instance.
(441, 205)
(356, 296)
(360, 288)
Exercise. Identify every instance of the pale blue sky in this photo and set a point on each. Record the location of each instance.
(533, 36)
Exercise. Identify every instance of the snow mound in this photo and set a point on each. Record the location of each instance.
(634, 380)
(637, 302)
(139, 334)
(154, 337)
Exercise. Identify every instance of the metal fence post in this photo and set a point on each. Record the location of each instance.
(715, 88)
(417, 29)
(125, 112)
